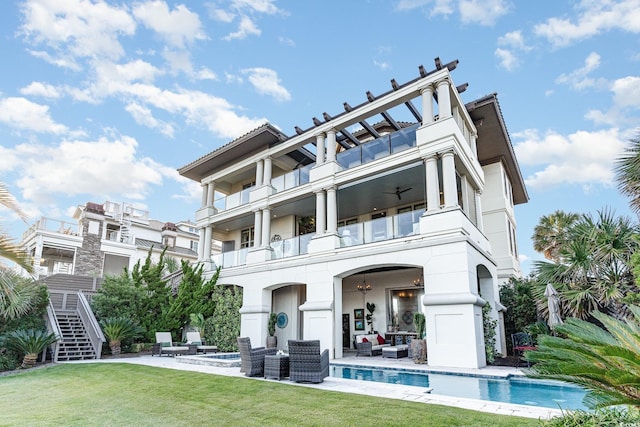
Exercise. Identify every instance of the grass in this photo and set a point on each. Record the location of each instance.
(115, 394)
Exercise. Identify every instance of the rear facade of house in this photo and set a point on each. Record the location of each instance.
(405, 201)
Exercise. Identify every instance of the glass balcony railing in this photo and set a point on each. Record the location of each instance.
(294, 246)
(231, 258)
(292, 179)
(232, 200)
(378, 148)
(376, 230)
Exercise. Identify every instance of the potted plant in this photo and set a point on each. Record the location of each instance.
(371, 307)
(272, 340)
(30, 343)
(118, 329)
(419, 344)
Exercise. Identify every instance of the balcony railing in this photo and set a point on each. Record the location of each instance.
(376, 230)
(232, 200)
(378, 148)
(294, 246)
(292, 179)
(53, 225)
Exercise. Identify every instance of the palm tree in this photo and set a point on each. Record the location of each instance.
(551, 233)
(8, 249)
(595, 272)
(30, 343)
(118, 329)
(605, 361)
(627, 171)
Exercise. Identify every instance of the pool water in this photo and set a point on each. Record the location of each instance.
(523, 391)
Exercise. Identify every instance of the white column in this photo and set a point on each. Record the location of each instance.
(266, 227)
(331, 145)
(474, 147)
(257, 229)
(332, 210)
(427, 105)
(433, 186)
(449, 180)
(201, 244)
(321, 213)
(267, 171)
(479, 222)
(204, 194)
(444, 99)
(207, 243)
(211, 188)
(259, 172)
(319, 149)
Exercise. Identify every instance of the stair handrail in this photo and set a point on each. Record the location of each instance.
(53, 327)
(91, 324)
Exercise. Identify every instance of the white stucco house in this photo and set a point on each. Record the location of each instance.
(414, 213)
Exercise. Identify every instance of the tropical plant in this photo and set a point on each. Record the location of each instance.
(271, 324)
(118, 329)
(627, 169)
(171, 265)
(371, 307)
(17, 295)
(29, 343)
(517, 297)
(604, 360)
(8, 249)
(595, 272)
(489, 326)
(552, 233)
(622, 416)
(419, 344)
(198, 321)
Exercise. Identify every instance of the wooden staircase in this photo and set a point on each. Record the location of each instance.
(75, 343)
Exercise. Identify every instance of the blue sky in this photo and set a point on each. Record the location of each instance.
(105, 100)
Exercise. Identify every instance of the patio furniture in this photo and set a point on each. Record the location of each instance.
(370, 344)
(252, 359)
(521, 342)
(396, 352)
(194, 338)
(276, 366)
(164, 345)
(306, 363)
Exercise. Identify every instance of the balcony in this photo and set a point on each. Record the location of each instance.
(292, 179)
(377, 230)
(53, 225)
(232, 200)
(294, 246)
(378, 148)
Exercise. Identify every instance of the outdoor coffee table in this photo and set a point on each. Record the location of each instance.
(276, 366)
(395, 352)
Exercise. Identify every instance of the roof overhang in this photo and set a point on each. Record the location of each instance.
(494, 144)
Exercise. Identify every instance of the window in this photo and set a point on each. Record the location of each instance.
(246, 238)
(193, 246)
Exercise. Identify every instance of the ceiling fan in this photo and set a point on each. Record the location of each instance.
(398, 192)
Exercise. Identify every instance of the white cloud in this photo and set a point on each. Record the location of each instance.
(578, 79)
(286, 41)
(510, 44)
(483, 12)
(626, 92)
(178, 27)
(508, 59)
(246, 28)
(62, 61)
(266, 82)
(626, 100)
(143, 116)
(41, 89)
(22, 114)
(593, 17)
(79, 28)
(404, 5)
(584, 158)
(93, 168)
(383, 65)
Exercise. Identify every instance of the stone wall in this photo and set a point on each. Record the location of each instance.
(89, 258)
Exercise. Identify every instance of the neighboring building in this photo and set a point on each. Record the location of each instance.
(105, 239)
(419, 217)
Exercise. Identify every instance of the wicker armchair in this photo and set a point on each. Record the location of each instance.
(252, 359)
(306, 363)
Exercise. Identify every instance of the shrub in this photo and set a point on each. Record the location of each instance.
(620, 416)
(29, 343)
(118, 329)
(489, 326)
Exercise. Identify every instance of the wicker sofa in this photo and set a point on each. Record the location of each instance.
(306, 362)
(370, 344)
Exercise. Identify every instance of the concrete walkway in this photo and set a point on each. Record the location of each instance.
(391, 391)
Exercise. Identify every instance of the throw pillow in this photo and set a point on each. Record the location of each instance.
(166, 344)
(365, 340)
(380, 340)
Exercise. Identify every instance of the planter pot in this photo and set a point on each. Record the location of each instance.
(29, 360)
(419, 350)
(272, 342)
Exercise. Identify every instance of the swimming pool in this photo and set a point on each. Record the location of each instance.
(523, 391)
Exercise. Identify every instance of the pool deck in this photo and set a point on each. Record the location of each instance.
(390, 391)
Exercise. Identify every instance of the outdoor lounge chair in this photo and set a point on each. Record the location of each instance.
(252, 359)
(306, 363)
(164, 345)
(521, 342)
(193, 338)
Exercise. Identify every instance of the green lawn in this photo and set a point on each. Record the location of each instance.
(115, 394)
